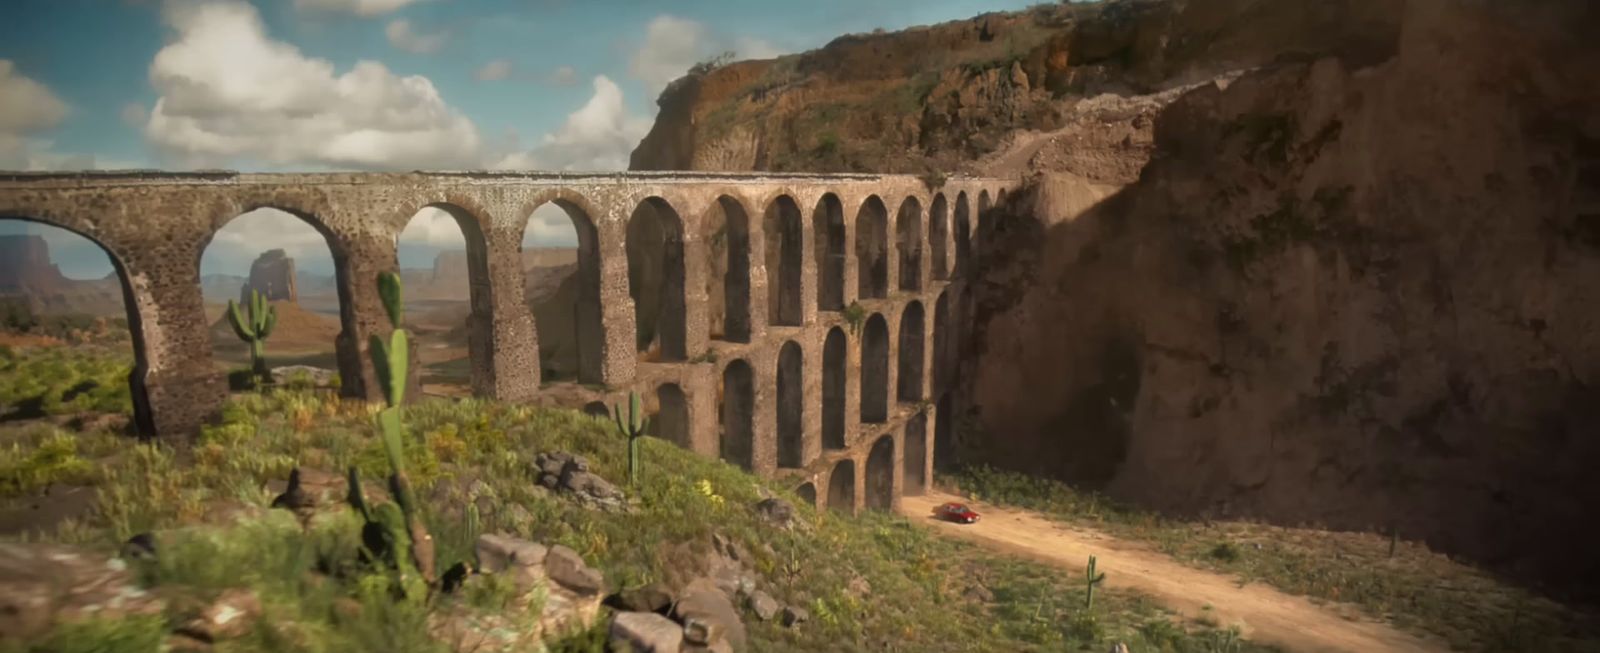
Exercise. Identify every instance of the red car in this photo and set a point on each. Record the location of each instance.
(955, 512)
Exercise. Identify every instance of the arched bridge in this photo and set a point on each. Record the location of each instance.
(800, 326)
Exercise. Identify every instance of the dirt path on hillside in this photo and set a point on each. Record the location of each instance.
(1265, 615)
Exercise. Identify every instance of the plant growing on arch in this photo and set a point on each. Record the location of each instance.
(254, 330)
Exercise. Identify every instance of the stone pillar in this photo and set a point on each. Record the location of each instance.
(892, 314)
(700, 392)
(764, 416)
(863, 454)
(359, 257)
(811, 397)
(619, 353)
(809, 279)
(696, 271)
(897, 486)
(852, 263)
(930, 354)
(512, 348)
(852, 386)
(175, 387)
(759, 276)
(925, 245)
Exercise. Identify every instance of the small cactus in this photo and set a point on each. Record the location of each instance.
(634, 429)
(254, 328)
(1091, 579)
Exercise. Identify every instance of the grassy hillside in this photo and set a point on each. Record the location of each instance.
(924, 594)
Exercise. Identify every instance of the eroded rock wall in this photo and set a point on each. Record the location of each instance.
(1343, 292)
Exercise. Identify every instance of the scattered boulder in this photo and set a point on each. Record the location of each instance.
(231, 615)
(42, 585)
(139, 547)
(573, 590)
(504, 554)
(978, 593)
(763, 605)
(794, 615)
(645, 632)
(776, 511)
(708, 616)
(565, 567)
(569, 474)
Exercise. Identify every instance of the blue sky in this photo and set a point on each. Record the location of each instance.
(374, 84)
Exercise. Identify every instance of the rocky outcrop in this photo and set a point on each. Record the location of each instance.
(1344, 291)
(570, 475)
(272, 275)
(28, 274)
(45, 585)
(933, 98)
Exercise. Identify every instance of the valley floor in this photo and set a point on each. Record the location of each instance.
(1265, 615)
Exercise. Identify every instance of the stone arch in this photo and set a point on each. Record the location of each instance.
(791, 406)
(963, 235)
(313, 330)
(943, 348)
(872, 249)
(571, 326)
(728, 279)
(144, 413)
(480, 319)
(784, 238)
(875, 370)
(915, 472)
(908, 244)
(939, 237)
(908, 377)
(807, 493)
(880, 474)
(833, 389)
(944, 421)
(827, 224)
(671, 421)
(984, 205)
(597, 409)
(656, 280)
(736, 443)
(842, 486)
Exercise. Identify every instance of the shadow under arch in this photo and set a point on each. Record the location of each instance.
(481, 343)
(908, 244)
(727, 237)
(939, 237)
(571, 344)
(783, 236)
(872, 249)
(828, 232)
(656, 278)
(144, 419)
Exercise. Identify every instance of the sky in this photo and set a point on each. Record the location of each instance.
(313, 85)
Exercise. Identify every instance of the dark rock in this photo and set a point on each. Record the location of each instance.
(569, 474)
(645, 632)
(776, 511)
(139, 547)
(565, 566)
(794, 615)
(655, 597)
(294, 497)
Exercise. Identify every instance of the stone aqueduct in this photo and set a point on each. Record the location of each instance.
(753, 357)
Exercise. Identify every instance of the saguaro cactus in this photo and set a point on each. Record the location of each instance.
(633, 429)
(391, 359)
(254, 329)
(1091, 579)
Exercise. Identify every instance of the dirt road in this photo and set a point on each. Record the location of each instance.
(1265, 615)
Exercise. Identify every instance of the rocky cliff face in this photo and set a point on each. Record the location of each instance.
(1340, 290)
(936, 97)
(27, 272)
(272, 275)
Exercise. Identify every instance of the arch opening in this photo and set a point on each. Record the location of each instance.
(943, 348)
(875, 370)
(915, 473)
(827, 221)
(62, 290)
(872, 249)
(736, 443)
(728, 265)
(444, 265)
(908, 244)
(880, 474)
(807, 493)
(292, 260)
(939, 238)
(671, 420)
(842, 487)
(963, 234)
(561, 281)
(784, 247)
(833, 390)
(656, 280)
(791, 406)
(908, 377)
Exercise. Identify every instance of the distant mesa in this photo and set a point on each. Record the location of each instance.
(28, 273)
(272, 275)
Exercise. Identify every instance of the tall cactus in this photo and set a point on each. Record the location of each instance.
(634, 429)
(1091, 579)
(254, 329)
(391, 359)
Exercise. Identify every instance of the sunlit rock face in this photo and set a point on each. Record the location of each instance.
(272, 275)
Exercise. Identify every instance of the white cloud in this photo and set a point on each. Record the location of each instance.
(672, 45)
(598, 136)
(237, 244)
(493, 71)
(434, 228)
(357, 7)
(26, 106)
(402, 36)
(550, 226)
(229, 92)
